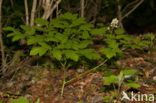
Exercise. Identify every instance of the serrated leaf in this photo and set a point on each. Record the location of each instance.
(99, 31)
(89, 53)
(62, 38)
(110, 79)
(125, 37)
(8, 29)
(57, 54)
(71, 55)
(18, 37)
(11, 34)
(41, 21)
(85, 27)
(92, 56)
(68, 16)
(152, 36)
(60, 23)
(133, 85)
(78, 22)
(85, 35)
(113, 44)
(28, 29)
(45, 45)
(39, 28)
(38, 50)
(119, 31)
(85, 43)
(20, 100)
(108, 52)
(35, 39)
(129, 72)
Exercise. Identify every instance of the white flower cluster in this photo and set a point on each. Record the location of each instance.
(114, 23)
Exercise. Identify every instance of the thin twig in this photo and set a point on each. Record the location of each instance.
(137, 5)
(128, 5)
(69, 81)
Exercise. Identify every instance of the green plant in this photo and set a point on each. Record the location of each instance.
(125, 77)
(116, 41)
(23, 100)
(67, 38)
(1, 101)
(20, 100)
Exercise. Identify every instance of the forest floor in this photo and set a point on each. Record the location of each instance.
(36, 82)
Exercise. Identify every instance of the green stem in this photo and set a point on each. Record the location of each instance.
(64, 80)
(86, 72)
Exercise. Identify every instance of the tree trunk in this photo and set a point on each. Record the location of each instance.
(82, 8)
(33, 12)
(1, 40)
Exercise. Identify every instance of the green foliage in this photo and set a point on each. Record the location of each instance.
(115, 41)
(111, 79)
(20, 100)
(68, 37)
(1, 101)
(23, 100)
(41, 21)
(120, 80)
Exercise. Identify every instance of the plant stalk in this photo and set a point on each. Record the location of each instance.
(86, 72)
(64, 78)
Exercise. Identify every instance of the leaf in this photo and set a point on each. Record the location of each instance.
(38, 50)
(133, 85)
(106, 99)
(20, 100)
(108, 52)
(85, 35)
(89, 53)
(78, 22)
(110, 79)
(57, 54)
(99, 31)
(8, 28)
(45, 45)
(71, 55)
(152, 36)
(125, 37)
(39, 28)
(129, 72)
(61, 37)
(119, 31)
(85, 27)
(68, 16)
(92, 56)
(18, 37)
(28, 29)
(11, 34)
(35, 39)
(113, 44)
(85, 43)
(41, 21)
(60, 23)
(38, 100)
